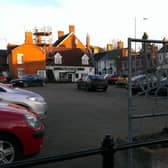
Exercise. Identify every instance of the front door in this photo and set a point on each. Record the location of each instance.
(70, 77)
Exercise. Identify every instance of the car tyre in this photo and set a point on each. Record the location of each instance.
(87, 88)
(43, 83)
(10, 149)
(78, 86)
(104, 90)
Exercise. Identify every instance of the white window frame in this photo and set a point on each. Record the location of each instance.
(57, 58)
(20, 72)
(20, 58)
(41, 73)
(85, 60)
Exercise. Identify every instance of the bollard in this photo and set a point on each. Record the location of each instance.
(108, 152)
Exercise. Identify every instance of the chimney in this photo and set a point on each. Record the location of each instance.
(60, 34)
(120, 44)
(87, 41)
(109, 47)
(28, 38)
(124, 52)
(71, 28)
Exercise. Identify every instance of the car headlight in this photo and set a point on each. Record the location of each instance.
(32, 98)
(36, 99)
(32, 121)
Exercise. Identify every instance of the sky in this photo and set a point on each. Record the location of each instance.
(106, 21)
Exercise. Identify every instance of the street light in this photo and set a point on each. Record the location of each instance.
(135, 31)
(135, 28)
(135, 34)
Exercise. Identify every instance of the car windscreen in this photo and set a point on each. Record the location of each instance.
(96, 77)
(25, 77)
(137, 78)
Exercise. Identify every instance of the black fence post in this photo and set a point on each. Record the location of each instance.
(108, 152)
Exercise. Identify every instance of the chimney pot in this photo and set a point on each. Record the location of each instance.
(28, 38)
(71, 28)
(60, 34)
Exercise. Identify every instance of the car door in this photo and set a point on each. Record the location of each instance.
(34, 80)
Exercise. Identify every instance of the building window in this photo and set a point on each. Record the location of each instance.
(85, 59)
(19, 58)
(62, 76)
(41, 73)
(57, 59)
(76, 75)
(20, 72)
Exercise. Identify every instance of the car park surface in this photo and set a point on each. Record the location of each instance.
(79, 120)
(21, 133)
(26, 98)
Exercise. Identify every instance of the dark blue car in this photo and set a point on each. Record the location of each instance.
(29, 80)
(92, 82)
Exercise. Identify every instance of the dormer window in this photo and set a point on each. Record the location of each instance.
(85, 59)
(57, 58)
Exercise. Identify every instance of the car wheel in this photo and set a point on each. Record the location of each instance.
(43, 83)
(78, 86)
(25, 84)
(104, 90)
(9, 149)
(87, 88)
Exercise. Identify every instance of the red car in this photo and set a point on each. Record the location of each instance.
(111, 79)
(21, 133)
(3, 79)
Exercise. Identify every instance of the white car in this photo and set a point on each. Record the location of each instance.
(23, 97)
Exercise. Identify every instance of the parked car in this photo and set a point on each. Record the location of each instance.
(26, 98)
(29, 80)
(137, 83)
(21, 133)
(111, 79)
(92, 82)
(3, 79)
(143, 83)
(122, 81)
(161, 88)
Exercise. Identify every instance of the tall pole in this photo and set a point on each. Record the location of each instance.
(130, 137)
(135, 31)
(135, 27)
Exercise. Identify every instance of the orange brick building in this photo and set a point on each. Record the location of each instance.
(69, 40)
(26, 58)
(31, 57)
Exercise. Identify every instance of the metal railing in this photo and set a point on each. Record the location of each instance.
(107, 149)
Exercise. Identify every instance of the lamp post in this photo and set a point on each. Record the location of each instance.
(134, 60)
(135, 36)
(135, 31)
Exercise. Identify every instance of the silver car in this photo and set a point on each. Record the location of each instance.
(26, 98)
